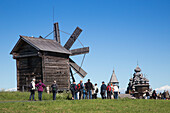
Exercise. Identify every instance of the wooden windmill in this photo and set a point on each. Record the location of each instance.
(47, 60)
(74, 52)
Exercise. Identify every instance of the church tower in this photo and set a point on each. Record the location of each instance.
(113, 79)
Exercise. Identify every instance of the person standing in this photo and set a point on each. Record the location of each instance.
(32, 89)
(54, 89)
(116, 91)
(112, 91)
(147, 95)
(108, 91)
(84, 92)
(154, 95)
(103, 90)
(95, 91)
(40, 87)
(80, 89)
(89, 87)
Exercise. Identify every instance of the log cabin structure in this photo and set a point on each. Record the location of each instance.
(47, 60)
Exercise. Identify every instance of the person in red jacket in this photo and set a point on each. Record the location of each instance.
(40, 87)
(108, 91)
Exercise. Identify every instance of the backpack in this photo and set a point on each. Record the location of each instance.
(109, 88)
(54, 87)
(97, 90)
(31, 85)
(71, 87)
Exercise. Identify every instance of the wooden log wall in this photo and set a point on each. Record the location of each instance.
(27, 67)
(55, 67)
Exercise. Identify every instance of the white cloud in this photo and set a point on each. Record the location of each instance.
(161, 89)
(11, 89)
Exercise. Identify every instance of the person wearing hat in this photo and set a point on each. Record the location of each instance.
(40, 87)
(32, 89)
(54, 89)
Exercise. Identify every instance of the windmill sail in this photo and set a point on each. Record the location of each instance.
(77, 69)
(80, 51)
(73, 38)
(56, 32)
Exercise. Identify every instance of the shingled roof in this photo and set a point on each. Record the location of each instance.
(41, 44)
(113, 78)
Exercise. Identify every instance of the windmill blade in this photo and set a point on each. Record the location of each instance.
(73, 38)
(56, 32)
(80, 51)
(77, 68)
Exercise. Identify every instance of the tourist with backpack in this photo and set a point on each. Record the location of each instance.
(74, 90)
(103, 90)
(116, 91)
(112, 91)
(54, 89)
(32, 90)
(95, 91)
(108, 91)
(80, 89)
(40, 87)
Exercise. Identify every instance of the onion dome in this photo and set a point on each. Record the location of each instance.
(137, 69)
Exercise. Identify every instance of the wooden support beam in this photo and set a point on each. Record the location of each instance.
(23, 56)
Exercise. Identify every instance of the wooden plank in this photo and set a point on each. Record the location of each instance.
(77, 69)
(23, 56)
(80, 51)
(56, 32)
(73, 38)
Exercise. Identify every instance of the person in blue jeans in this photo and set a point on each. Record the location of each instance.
(84, 92)
(40, 87)
(116, 91)
(32, 90)
(89, 87)
(54, 89)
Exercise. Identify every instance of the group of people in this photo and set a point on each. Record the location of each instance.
(90, 91)
(165, 95)
(40, 87)
(79, 91)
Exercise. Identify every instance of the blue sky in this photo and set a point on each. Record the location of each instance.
(118, 32)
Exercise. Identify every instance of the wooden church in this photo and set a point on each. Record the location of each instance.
(47, 60)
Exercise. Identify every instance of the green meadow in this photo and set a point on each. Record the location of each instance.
(63, 105)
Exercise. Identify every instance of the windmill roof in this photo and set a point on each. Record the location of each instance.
(42, 45)
(113, 78)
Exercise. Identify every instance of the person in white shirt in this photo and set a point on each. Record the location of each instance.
(116, 91)
(32, 89)
(95, 91)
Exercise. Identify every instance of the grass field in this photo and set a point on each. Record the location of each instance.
(78, 106)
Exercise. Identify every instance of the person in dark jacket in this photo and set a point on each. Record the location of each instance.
(89, 87)
(103, 90)
(74, 90)
(154, 95)
(40, 87)
(54, 89)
